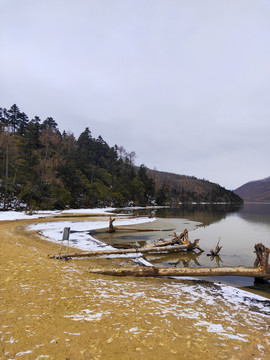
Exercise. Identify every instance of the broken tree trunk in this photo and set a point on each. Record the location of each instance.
(182, 238)
(111, 227)
(183, 271)
(121, 251)
(262, 260)
(191, 246)
(216, 251)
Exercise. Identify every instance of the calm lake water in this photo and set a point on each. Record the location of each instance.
(239, 228)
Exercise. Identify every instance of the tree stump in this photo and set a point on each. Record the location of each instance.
(111, 227)
(262, 260)
(216, 251)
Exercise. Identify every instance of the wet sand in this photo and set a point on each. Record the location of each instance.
(51, 309)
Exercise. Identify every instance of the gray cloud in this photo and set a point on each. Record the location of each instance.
(183, 83)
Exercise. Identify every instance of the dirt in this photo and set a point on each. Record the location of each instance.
(51, 309)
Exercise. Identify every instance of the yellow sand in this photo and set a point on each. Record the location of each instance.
(117, 318)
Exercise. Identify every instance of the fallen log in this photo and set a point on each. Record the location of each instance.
(135, 229)
(162, 242)
(262, 272)
(121, 251)
(183, 235)
(183, 271)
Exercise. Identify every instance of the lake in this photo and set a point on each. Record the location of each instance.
(239, 228)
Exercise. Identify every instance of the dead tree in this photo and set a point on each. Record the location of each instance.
(191, 246)
(216, 251)
(182, 238)
(262, 260)
(111, 227)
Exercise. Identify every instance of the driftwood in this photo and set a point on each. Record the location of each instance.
(262, 260)
(111, 227)
(262, 272)
(183, 271)
(162, 242)
(125, 228)
(216, 251)
(191, 246)
(121, 251)
(182, 239)
(163, 246)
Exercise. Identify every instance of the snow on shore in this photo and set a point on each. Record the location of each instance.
(20, 215)
(80, 237)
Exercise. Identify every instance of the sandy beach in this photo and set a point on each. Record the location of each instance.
(52, 309)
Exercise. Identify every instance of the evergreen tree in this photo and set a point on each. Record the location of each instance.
(13, 117)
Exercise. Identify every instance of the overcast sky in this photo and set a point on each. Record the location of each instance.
(183, 83)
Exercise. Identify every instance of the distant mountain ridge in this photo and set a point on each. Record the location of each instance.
(257, 190)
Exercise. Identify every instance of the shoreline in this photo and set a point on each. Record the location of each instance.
(50, 308)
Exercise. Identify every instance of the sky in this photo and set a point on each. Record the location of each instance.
(183, 83)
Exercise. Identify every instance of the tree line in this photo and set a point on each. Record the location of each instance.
(42, 168)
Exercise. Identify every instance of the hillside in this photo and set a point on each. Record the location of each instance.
(258, 190)
(181, 188)
(42, 168)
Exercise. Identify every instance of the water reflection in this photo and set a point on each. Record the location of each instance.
(217, 259)
(255, 212)
(186, 259)
(240, 227)
(204, 213)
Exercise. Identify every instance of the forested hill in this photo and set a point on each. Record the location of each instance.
(258, 191)
(42, 168)
(181, 188)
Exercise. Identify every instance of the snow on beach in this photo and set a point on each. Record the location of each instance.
(79, 231)
(80, 238)
(222, 311)
(20, 215)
